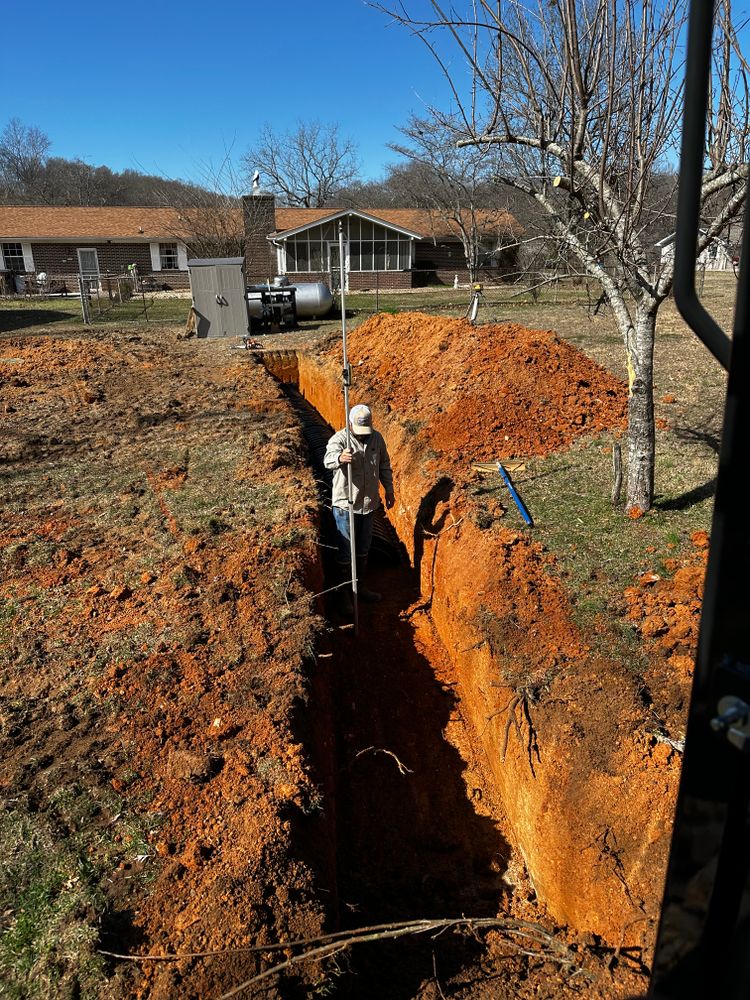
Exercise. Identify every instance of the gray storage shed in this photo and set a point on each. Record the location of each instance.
(219, 295)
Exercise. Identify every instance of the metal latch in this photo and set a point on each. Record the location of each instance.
(733, 721)
(346, 374)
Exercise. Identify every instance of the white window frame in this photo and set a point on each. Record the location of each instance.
(391, 235)
(79, 251)
(175, 256)
(335, 243)
(28, 260)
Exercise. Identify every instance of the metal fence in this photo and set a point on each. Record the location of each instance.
(112, 296)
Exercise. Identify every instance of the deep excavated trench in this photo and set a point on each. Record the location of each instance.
(410, 842)
(447, 757)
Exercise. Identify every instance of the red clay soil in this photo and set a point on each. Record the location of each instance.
(422, 831)
(483, 393)
(587, 789)
(666, 609)
(157, 544)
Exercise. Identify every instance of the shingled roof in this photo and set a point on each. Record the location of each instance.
(34, 222)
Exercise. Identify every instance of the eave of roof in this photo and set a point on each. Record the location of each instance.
(340, 214)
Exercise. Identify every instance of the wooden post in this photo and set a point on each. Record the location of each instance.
(85, 310)
(616, 473)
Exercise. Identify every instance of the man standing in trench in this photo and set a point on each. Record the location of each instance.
(370, 466)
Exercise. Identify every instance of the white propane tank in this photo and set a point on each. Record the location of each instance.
(313, 298)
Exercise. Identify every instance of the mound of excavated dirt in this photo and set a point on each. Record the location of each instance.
(484, 393)
(154, 628)
(667, 611)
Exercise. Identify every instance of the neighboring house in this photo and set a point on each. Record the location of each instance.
(386, 248)
(389, 248)
(719, 255)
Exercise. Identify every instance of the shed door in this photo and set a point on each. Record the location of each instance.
(233, 311)
(203, 286)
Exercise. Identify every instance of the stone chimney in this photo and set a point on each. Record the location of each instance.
(259, 218)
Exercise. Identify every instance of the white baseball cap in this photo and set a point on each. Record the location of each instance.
(360, 418)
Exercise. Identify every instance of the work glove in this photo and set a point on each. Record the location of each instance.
(390, 500)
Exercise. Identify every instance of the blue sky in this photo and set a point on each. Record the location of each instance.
(165, 87)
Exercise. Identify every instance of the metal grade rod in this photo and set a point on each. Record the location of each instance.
(347, 377)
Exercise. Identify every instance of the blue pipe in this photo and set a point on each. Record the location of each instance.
(519, 502)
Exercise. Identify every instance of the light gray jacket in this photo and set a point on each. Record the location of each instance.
(370, 466)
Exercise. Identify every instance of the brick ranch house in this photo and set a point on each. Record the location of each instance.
(386, 248)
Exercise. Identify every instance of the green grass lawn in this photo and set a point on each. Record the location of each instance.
(20, 315)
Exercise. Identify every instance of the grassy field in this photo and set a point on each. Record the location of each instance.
(34, 315)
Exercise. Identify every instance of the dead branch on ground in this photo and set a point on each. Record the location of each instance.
(535, 942)
(548, 947)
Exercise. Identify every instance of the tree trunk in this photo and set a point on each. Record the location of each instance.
(641, 434)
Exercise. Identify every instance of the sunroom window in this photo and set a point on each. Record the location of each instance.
(371, 247)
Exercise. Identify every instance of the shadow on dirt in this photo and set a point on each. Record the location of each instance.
(16, 319)
(409, 841)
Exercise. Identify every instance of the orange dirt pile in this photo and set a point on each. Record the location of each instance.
(563, 727)
(484, 393)
(157, 544)
(666, 610)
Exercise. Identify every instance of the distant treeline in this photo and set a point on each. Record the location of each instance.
(29, 175)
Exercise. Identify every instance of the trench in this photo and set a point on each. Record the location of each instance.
(564, 790)
(404, 773)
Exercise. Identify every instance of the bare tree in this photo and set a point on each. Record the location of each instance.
(208, 218)
(582, 100)
(452, 184)
(23, 154)
(304, 167)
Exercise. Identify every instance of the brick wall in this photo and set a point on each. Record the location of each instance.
(486, 276)
(359, 280)
(62, 259)
(440, 264)
(259, 214)
(364, 280)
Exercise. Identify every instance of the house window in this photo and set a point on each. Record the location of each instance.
(371, 247)
(168, 257)
(13, 257)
